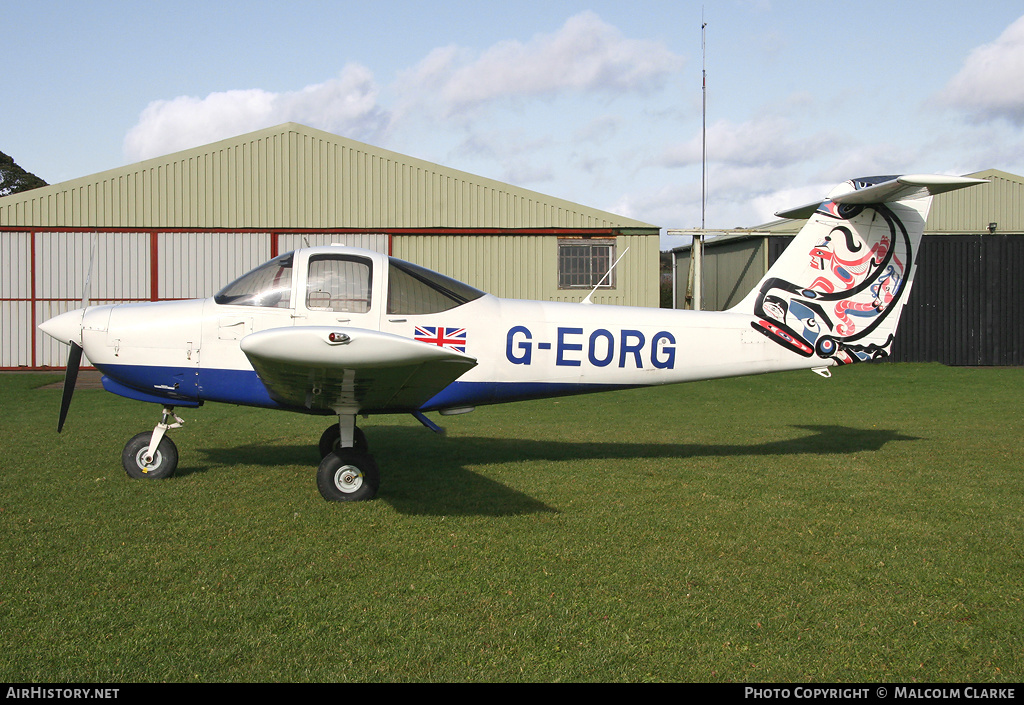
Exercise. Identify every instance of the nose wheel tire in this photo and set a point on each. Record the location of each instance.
(163, 465)
(347, 475)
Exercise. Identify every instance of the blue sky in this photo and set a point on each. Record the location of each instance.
(597, 102)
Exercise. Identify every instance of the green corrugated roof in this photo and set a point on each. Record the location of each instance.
(294, 176)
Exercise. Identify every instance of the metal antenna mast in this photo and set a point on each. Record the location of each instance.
(704, 120)
(694, 280)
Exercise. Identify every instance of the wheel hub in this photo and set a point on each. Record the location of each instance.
(145, 466)
(348, 478)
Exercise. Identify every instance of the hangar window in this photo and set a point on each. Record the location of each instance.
(416, 290)
(582, 263)
(268, 285)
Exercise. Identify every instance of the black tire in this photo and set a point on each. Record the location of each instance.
(329, 441)
(348, 476)
(163, 465)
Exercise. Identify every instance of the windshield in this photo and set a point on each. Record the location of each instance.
(268, 285)
(414, 290)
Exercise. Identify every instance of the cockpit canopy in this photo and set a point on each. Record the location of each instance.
(343, 281)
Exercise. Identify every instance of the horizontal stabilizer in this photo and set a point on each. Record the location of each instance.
(800, 212)
(885, 189)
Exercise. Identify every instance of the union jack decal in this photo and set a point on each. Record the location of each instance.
(450, 338)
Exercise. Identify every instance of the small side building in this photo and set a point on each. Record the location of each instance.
(966, 306)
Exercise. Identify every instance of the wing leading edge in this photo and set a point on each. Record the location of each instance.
(354, 369)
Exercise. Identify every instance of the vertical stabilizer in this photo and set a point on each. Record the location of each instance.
(839, 288)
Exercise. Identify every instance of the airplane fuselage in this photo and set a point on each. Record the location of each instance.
(188, 352)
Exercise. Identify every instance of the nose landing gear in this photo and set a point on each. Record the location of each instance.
(153, 455)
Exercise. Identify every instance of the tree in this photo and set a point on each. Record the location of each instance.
(14, 179)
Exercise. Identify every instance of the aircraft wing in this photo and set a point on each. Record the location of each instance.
(328, 368)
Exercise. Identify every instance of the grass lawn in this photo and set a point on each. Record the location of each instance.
(868, 527)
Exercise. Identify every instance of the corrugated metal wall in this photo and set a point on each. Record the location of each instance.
(286, 242)
(193, 265)
(15, 298)
(526, 266)
(967, 303)
(736, 268)
(732, 267)
(1001, 201)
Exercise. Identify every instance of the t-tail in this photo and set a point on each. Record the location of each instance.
(837, 291)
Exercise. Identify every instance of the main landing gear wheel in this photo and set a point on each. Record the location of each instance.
(331, 439)
(133, 457)
(347, 475)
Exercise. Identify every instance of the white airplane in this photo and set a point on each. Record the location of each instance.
(342, 331)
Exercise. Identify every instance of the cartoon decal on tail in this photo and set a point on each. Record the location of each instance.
(855, 275)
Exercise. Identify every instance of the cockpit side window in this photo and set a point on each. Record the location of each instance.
(269, 285)
(416, 290)
(339, 283)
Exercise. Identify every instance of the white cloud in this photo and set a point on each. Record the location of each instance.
(991, 83)
(766, 206)
(599, 130)
(586, 54)
(754, 143)
(857, 160)
(346, 105)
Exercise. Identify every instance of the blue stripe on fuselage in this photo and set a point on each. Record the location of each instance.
(156, 384)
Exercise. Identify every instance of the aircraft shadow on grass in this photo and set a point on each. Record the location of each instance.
(430, 475)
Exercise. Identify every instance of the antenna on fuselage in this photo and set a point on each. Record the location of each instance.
(606, 275)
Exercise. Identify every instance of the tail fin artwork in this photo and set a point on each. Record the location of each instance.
(838, 289)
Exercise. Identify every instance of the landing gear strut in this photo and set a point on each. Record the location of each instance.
(347, 473)
(152, 454)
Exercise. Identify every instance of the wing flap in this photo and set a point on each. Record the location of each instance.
(320, 368)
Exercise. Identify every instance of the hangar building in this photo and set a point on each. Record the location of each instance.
(966, 306)
(184, 225)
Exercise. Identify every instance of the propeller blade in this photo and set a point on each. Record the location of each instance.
(70, 377)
